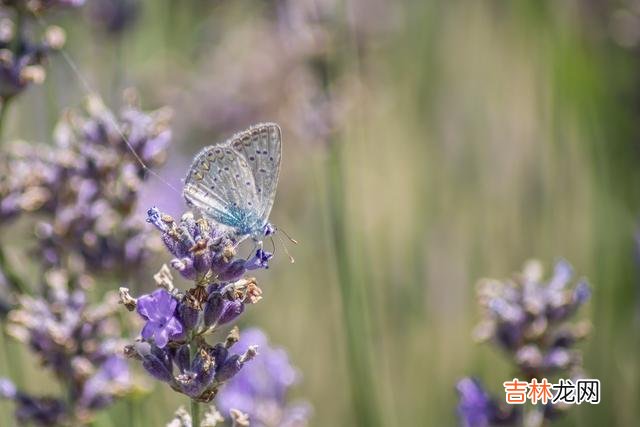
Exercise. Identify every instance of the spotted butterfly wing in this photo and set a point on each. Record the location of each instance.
(261, 146)
(234, 183)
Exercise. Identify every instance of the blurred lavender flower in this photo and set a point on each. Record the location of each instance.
(79, 343)
(45, 411)
(367, 21)
(250, 88)
(22, 60)
(530, 320)
(37, 6)
(295, 78)
(476, 408)
(153, 191)
(113, 17)
(260, 389)
(22, 57)
(620, 20)
(83, 191)
(87, 187)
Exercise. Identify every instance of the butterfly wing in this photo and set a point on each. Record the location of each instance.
(221, 185)
(261, 146)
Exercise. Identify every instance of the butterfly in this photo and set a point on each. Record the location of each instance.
(234, 182)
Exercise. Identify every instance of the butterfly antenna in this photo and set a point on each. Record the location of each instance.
(88, 89)
(285, 249)
(294, 241)
(273, 245)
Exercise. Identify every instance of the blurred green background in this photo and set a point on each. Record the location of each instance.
(465, 137)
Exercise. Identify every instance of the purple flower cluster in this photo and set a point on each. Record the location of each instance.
(476, 408)
(202, 250)
(80, 194)
(173, 348)
(23, 58)
(85, 187)
(529, 318)
(80, 343)
(260, 389)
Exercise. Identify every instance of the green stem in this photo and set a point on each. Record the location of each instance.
(15, 281)
(195, 407)
(3, 114)
(15, 48)
(353, 299)
(195, 413)
(118, 70)
(19, 21)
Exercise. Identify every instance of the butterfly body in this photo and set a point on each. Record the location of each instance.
(234, 182)
(243, 221)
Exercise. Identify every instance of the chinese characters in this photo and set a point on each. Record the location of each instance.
(564, 391)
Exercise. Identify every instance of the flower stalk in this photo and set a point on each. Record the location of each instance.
(195, 412)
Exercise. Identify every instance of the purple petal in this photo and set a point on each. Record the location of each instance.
(7, 389)
(148, 330)
(161, 337)
(165, 303)
(173, 327)
(145, 306)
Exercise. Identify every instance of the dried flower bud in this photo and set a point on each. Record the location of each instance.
(239, 418)
(33, 74)
(211, 417)
(164, 279)
(6, 57)
(233, 337)
(55, 37)
(127, 300)
(7, 30)
(181, 419)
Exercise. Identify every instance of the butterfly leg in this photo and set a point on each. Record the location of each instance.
(258, 244)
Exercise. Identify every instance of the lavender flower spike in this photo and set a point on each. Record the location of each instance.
(159, 309)
(202, 248)
(264, 400)
(476, 408)
(531, 320)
